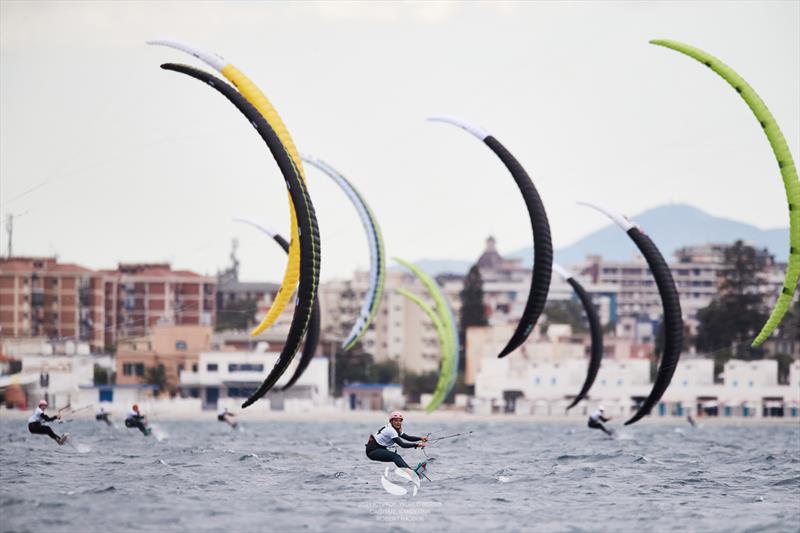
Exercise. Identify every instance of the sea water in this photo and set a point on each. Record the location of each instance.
(314, 476)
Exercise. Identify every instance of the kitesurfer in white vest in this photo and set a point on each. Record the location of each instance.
(389, 435)
(225, 416)
(102, 416)
(597, 418)
(136, 419)
(36, 423)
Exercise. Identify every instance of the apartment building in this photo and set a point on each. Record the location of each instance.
(401, 331)
(140, 295)
(40, 297)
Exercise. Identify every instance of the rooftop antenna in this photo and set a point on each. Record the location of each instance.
(10, 231)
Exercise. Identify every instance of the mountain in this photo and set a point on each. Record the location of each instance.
(670, 226)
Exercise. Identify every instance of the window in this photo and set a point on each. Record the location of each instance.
(241, 392)
(194, 367)
(211, 367)
(245, 367)
(180, 345)
(133, 369)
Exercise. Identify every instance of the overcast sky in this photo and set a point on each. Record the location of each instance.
(104, 157)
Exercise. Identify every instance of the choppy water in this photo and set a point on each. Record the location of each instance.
(302, 476)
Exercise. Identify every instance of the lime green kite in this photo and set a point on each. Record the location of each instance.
(785, 163)
(445, 329)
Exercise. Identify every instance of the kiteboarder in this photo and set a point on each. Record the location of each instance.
(102, 415)
(597, 419)
(389, 435)
(225, 416)
(136, 419)
(35, 423)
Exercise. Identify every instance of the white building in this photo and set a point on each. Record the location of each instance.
(56, 378)
(228, 378)
(524, 386)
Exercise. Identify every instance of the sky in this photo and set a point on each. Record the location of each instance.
(106, 158)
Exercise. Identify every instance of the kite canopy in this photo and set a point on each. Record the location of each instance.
(448, 338)
(542, 245)
(377, 271)
(313, 332)
(256, 98)
(673, 319)
(785, 163)
(308, 241)
(595, 331)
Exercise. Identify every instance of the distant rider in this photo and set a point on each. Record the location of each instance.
(225, 416)
(389, 435)
(36, 425)
(597, 419)
(102, 415)
(136, 419)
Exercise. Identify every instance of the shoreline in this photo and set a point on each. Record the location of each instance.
(417, 416)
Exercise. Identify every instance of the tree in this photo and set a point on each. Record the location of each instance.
(101, 376)
(567, 312)
(385, 372)
(357, 366)
(156, 375)
(414, 385)
(473, 312)
(351, 367)
(734, 317)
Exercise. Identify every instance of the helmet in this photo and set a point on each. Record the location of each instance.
(601, 409)
(135, 407)
(395, 414)
(42, 403)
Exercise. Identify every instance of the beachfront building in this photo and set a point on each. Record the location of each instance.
(226, 379)
(696, 271)
(140, 295)
(506, 283)
(173, 348)
(750, 388)
(40, 297)
(401, 331)
(41, 370)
